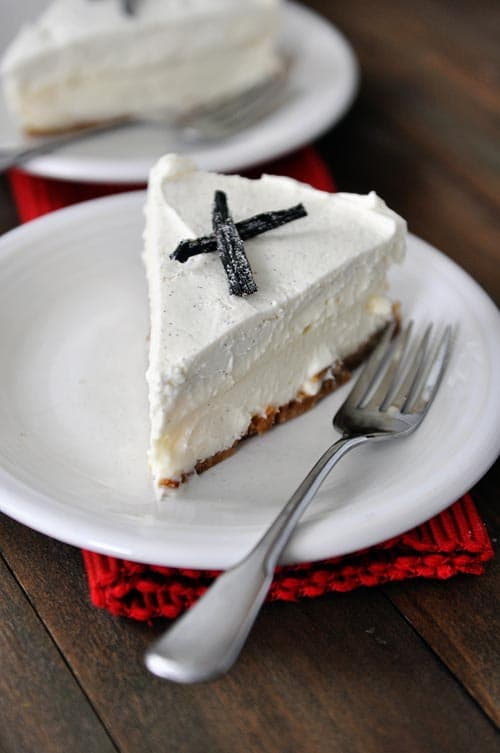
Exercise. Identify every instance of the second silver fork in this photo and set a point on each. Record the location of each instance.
(390, 399)
(203, 124)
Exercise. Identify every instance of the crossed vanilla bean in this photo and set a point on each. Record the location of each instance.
(253, 226)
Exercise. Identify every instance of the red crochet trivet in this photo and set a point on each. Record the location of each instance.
(35, 195)
(453, 542)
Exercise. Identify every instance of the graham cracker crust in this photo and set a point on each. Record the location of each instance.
(66, 130)
(332, 378)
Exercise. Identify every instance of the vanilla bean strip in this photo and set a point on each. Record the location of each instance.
(231, 249)
(256, 225)
(262, 223)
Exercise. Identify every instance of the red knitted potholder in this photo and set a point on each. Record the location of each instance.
(35, 195)
(453, 542)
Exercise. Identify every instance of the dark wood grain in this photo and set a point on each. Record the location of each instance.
(460, 619)
(424, 130)
(487, 496)
(8, 214)
(354, 650)
(41, 705)
(410, 668)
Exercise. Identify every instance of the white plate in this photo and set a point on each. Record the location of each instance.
(322, 83)
(74, 422)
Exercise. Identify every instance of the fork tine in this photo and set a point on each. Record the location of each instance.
(380, 397)
(253, 94)
(428, 384)
(246, 108)
(250, 111)
(250, 99)
(412, 373)
(371, 370)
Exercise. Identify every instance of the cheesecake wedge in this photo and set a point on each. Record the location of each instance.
(88, 61)
(224, 366)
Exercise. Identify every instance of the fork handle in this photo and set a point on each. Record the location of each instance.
(207, 639)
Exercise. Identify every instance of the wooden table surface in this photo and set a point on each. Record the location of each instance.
(408, 667)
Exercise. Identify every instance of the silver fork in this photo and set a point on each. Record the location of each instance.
(203, 124)
(390, 399)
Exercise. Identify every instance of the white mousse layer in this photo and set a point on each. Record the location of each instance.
(217, 360)
(86, 60)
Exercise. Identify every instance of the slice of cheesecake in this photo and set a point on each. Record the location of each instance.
(86, 61)
(225, 366)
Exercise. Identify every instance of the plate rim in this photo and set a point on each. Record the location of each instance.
(23, 503)
(135, 172)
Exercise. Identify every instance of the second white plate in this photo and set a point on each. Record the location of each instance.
(322, 83)
(74, 417)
